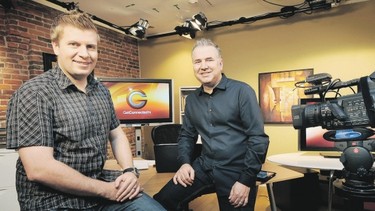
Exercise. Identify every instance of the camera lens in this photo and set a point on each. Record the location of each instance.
(312, 115)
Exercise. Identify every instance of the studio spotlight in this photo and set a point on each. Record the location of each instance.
(138, 30)
(71, 6)
(186, 30)
(191, 26)
(199, 21)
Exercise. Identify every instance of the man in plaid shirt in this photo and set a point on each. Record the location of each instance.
(60, 122)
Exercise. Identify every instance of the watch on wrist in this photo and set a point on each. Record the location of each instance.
(134, 170)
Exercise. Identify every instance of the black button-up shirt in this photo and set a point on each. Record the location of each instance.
(231, 127)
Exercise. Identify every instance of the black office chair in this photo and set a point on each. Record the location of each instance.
(165, 138)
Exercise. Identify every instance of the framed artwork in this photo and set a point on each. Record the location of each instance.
(277, 94)
(49, 61)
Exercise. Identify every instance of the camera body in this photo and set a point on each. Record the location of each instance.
(345, 112)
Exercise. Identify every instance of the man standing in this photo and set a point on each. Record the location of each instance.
(225, 113)
(60, 122)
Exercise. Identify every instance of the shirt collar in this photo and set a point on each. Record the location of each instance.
(222, 85)
(64, 82)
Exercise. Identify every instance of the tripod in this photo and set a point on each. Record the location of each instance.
(357, 184)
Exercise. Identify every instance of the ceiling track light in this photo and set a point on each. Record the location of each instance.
(199, 21)
(286, 12)
(138, 30)
(186, 30)
(191, 26)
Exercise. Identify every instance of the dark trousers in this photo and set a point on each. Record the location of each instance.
(176, 197)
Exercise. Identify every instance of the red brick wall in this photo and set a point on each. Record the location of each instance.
(24, 36)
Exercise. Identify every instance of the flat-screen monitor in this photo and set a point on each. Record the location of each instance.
(311, 139)
(141, 101)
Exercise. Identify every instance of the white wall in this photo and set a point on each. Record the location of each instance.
(8, 193)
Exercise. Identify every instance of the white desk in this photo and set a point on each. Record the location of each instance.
(309, 160)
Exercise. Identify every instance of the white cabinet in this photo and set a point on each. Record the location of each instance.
(184, 92)
(8, 194)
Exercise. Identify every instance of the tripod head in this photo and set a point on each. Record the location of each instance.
(356, 157)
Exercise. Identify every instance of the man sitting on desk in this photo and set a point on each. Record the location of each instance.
(60, 123)
(226, 114)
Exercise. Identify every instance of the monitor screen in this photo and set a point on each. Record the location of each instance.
(141, 101)
(311, 139)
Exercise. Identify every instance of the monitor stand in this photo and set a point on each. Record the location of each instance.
(331, 154)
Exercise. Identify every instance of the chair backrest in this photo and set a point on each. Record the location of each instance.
(165, 138)
(164, 134)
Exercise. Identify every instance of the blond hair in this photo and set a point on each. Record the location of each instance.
(76, 19)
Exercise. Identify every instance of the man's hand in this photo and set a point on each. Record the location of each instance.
(127, 186)
(184, 176)
(239, 195)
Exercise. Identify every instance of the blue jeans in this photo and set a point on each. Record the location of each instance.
(143, 203)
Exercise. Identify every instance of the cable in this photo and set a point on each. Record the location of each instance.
(280, 5)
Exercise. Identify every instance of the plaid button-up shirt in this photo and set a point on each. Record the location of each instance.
(50, 111)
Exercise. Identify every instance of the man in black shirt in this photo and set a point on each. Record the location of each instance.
(225, 113)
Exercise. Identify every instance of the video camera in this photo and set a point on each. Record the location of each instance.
(349, 119)
(355, 110)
